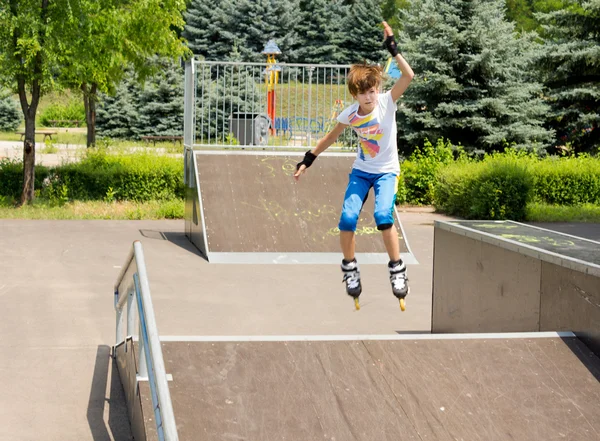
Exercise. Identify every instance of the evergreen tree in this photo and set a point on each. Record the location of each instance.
(10, 114)
(320, 27)
(161, 102)
(206, 28)
(255, 22)
(363, 39)
(154, 107)
(571, 69)
(472, 83)
(117, 115)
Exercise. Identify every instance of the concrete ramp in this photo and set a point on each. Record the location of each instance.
(494, 387)
(245, 207)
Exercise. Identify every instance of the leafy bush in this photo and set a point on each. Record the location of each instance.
(11, 177)
(498, 187)
(101, 176)
(568, 180)
(418, 174)
(10, 114)
(74, 110)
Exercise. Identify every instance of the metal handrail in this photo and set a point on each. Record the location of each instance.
(132, 286)
(258, 63)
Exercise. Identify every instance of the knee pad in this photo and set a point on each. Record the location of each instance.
(384, 219)
(348, 222)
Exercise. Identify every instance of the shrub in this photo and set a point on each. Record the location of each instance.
(11, 177)
(568, 180)
(101, 176)
(418, 174)
(498, 187)
(141, 176)
(10, 114)
(74, 110)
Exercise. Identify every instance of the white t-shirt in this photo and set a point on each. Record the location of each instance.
(377, 152)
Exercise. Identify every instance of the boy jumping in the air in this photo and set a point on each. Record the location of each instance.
(373, 118)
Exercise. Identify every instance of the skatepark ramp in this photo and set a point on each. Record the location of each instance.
(435, 387)
(492, 387)
(246, 207)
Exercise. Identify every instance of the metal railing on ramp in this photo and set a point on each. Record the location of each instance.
(132, 286)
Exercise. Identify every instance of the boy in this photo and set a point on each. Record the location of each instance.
(373, 118)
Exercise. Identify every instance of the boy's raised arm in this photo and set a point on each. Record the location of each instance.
(407, 73)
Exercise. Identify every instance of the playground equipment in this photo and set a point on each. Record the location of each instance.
(271, 78)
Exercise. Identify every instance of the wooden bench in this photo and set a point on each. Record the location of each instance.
(46, 133)
(55, 122)
(162, 138)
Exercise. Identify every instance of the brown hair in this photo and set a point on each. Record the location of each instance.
(362, 77)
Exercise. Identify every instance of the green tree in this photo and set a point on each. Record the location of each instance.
(523, 12)
(571, 70)
(390, 11)
(152, 107)
(321, 30)
(118, 113)
(472, 78)
(161, 101)
(207, 24)
(254, 22)
(33, 39)
(10, 115)
(366, 41)
(112, 34)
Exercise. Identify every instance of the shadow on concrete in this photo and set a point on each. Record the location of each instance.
(585, 355)
(176, 238)
(117, 427)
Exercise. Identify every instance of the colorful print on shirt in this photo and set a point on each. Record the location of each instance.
(368, 131)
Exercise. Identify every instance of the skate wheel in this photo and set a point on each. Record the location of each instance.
(356, 304)
(402, 305)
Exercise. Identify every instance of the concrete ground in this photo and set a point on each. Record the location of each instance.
(64, 152)
(57, 321)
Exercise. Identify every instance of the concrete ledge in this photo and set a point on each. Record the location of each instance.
(486, 282)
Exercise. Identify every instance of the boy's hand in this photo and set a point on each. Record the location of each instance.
(301, 167)
(389, 41)
(299, 172)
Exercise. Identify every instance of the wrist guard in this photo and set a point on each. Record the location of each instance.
(390, 44)
(307, 161)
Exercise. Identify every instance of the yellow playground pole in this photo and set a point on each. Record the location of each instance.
(271, 79)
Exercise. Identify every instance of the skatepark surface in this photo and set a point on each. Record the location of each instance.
(59, 381)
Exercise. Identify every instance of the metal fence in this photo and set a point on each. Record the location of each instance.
(235, 104)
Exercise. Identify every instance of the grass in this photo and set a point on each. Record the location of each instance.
(537, 212)
(77, 210)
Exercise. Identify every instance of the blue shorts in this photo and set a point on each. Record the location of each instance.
(385, 186)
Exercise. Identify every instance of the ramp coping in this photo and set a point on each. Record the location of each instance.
(369, 337)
